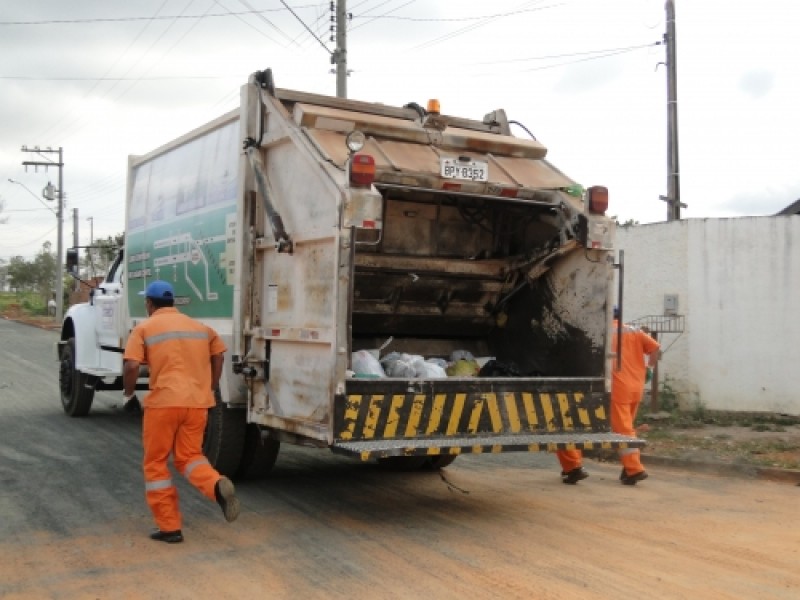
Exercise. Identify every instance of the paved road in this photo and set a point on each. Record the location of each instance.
(73, 522)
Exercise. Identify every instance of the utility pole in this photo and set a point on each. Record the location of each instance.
(673, 198)
(339, 56)
(91, 243)
(75, 241)
(59, 215)
(75, 244)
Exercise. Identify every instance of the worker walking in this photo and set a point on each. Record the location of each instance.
(572, 470)
(627, 388)
(185, 360)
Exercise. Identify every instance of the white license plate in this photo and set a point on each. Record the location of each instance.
(471, 170)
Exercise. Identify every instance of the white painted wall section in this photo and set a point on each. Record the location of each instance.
(738, 282)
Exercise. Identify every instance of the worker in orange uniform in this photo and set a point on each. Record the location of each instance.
(627, 388)
(626, 393)
(185, 359)
(572, 470)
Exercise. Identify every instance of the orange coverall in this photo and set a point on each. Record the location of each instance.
(627, 387)
(179, 352)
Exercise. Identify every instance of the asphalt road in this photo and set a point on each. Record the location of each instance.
(74, 524)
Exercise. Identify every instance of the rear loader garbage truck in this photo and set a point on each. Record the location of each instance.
(391, 283)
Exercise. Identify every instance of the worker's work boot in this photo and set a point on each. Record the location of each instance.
(225, 494)
(171, 537)
(574, 476)
(633, 479)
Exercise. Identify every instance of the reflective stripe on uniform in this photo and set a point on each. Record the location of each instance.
(161, 484)
(626, 451)
(175, 335)
(192, 465)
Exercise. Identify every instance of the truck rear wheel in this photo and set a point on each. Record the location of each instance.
(440, 461)
(76, 397)
(259, 454)
(223, 443)
(403, 463)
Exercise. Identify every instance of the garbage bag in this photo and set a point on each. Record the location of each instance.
(430, 369)
(463, 368)
(397, 364)
(496, 368)
(365, 364)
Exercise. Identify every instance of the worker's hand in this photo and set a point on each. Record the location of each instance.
(131, 405)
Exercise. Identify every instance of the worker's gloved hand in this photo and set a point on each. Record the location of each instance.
(131, 405)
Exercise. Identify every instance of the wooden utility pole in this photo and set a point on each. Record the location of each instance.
(340, 54)
(673, 198)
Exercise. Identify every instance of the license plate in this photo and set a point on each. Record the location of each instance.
(471, 170)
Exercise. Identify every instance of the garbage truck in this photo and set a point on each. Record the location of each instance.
(317, 234)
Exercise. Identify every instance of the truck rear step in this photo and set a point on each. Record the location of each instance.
(537, 442)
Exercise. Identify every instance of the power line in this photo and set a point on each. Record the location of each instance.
(161, 18)
(109, 70)
(321, 43)
(155, 78)
(453, 19)
(384, 15)
(66, 133)
(267, 21)
(250, 25)
(481, 23)
(605, 54)
(567, 55)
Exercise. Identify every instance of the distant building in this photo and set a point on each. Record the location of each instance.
(792, 209)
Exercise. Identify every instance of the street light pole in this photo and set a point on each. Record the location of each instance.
(91, 243)
(27, 189)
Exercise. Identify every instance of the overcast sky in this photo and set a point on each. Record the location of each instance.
(105, 79)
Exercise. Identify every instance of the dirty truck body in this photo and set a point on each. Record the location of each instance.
(450, 235)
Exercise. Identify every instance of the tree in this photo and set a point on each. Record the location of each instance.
(38, 275)
(19, 274)
(44, 271)
(626, 224)
(3, 274)
(102, 253)
(3, 220)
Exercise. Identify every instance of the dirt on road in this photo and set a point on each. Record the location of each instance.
(74, 524)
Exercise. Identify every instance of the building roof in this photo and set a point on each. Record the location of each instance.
(792, 209)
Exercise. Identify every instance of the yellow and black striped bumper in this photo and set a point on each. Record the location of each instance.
(379, 418)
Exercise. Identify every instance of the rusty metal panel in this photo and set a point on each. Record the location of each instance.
(532, 173)
(403, 156)
(382, 127)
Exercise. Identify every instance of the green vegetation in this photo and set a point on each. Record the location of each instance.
(28, 302)
(33, 282)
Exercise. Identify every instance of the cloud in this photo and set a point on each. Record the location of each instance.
(767, 201)
(757, 82)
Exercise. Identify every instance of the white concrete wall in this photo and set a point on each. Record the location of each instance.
(738, 282)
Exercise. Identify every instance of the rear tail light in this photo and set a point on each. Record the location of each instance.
(597, 199)
(362, 170)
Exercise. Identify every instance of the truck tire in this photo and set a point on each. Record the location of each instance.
(440, 461)
(403, 463)
(76, 397)
(223, 443)
(259, 455)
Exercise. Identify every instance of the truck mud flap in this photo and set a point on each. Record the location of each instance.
(485, 444)
(394, 417)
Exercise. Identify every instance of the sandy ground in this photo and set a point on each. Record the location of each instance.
(73, 522)
(328, 528)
